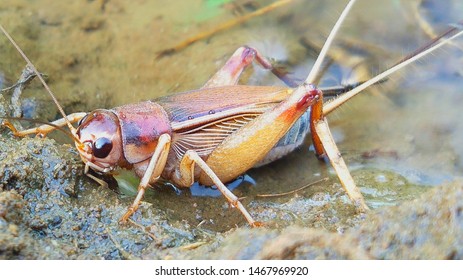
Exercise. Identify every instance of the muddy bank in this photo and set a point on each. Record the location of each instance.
(430, 227)
(49, 210)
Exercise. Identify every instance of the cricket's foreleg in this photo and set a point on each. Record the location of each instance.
(230, 73)
(185, 175)
(101, 182)
(325, 146)
(152, 173)
(46, 128)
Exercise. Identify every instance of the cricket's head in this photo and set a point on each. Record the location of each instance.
(100, 140)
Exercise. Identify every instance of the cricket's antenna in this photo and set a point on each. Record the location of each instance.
(329, 107)
(71, 128)
(316, 67)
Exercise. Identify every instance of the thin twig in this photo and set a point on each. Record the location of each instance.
(223, 26)
(193, 246)
(124, 254)
(144, 229)
(293, 191)
(27, 75)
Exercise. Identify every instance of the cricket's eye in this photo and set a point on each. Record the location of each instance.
(102, 147)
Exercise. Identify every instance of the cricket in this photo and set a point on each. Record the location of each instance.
(200, 136)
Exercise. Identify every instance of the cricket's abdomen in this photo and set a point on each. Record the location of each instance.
(288, 143)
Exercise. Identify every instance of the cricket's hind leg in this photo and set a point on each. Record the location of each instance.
(185, 175)
(230, 73)
(324, 145)
(245, 147)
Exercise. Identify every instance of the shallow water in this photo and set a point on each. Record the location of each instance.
(399, 139)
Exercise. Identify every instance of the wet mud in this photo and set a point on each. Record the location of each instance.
(50, 212)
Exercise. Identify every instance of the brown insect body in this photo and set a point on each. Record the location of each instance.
(201, 125)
